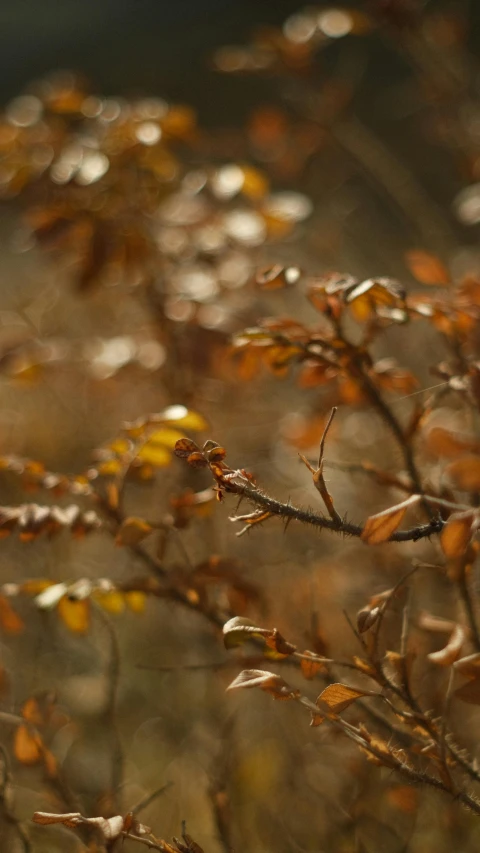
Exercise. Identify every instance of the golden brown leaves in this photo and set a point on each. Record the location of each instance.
(378, 528)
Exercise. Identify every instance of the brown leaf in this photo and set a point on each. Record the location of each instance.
(469, 692)
(450, 653)
(457, 533)
(310, 668)
(133, 530)
(427, 268)
(239, 630)
(9, 620)
(337, 698)
(378, 528)
(464, 473)
(278, 644)
(469, 665)
(268, 681)
(442, 442)
(366, 617)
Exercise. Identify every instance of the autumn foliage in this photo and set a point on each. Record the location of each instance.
(238, 469)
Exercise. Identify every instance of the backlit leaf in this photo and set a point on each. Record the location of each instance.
(337, 698)
(378, 528)
(457, 533)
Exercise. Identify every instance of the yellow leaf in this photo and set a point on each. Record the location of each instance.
(27, 747)
(165, 436)
(155, 455)
(112, 601)
(135, 601)
(182, 417)
(74, 614)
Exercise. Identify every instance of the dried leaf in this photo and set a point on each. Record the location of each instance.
(268, 681)
(337, 698)
(378, 528)
(457, 533)
(9, 620)
(451, 652)
(239, 630)
(310, 668)
(464, 473)
(469, 692)
(469, 665)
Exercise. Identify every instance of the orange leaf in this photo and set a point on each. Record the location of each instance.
(75, 614)
(337, 698)
(457, 533)
(427, 268)
(465, 473)
(9, 620)
(27, 747)
(442, 442)
(378, 528)
(310, 668)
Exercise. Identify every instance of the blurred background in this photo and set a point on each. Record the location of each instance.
(378, 143)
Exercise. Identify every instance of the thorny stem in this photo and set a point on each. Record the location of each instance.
(290, 512)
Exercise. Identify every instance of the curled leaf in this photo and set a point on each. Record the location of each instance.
(273, 684)
(450, 653)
